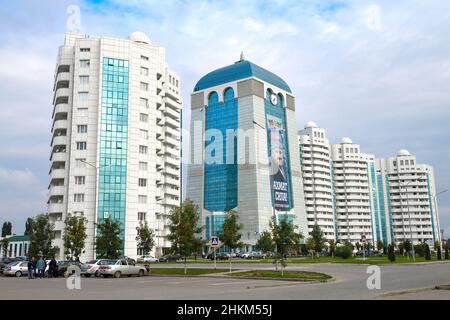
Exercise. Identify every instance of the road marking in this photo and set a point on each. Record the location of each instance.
(227, 283)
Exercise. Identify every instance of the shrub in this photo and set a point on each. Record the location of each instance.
(419, 250)
(427, 252)
(344, 252)
(391, 253)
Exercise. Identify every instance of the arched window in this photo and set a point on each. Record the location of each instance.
(213, 98)
(228, 94)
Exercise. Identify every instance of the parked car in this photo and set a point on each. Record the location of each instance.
(169, 257)
(255, 255)
(120, 267)
(63, 266)
(16, 268)
(219, 256)
(4, 262)
(92, 267)
(148, 258)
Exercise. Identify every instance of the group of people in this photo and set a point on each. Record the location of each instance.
(36, 268)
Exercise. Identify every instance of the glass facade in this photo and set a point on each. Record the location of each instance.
(391, 230)
(375, 201)
(113, 143)
(278, 154)
(382, 211)
(220, 184)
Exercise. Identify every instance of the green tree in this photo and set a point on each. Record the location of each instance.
(358, 246)
(437, 247)
(231, 232)
(265, 243)
(332, 247)
(184, 230)
(427, 251)
(4, 243)
(74, 236)
(28, 226)
(145, 238)
(446, 248)
(319, 238)
(401, 247)
(311, 246)
(391, 253)
(285, 239)
(344, 251)
(380, 245)
(41, 237)
(6, 229)
(108, 242)
(407, 246)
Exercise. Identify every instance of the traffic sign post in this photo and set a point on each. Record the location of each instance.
(215, 244)
(363, 240)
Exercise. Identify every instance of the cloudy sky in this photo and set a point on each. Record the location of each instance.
(376, 71)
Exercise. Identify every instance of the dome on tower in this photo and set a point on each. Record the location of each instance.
(403, 152)
(311, 124)
(139, 37)
(346, 140)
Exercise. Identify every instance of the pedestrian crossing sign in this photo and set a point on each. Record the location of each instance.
(214, 241)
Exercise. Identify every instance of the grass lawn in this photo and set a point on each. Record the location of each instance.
(180, 271)
(357, 260)
(297, 275)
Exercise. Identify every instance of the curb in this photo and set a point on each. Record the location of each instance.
(406, 291)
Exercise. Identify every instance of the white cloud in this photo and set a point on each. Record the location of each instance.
(373, 17)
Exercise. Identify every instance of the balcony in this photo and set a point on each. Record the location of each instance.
(56, 207)
(172, 161)
(59, 156)
(60, 140)
(172, 181)
(173, 132)
(60, 124)
(58, 174)
(171, 122)
(60, 108)
(172, 192)
(60, 93)
(170, 171)
(170, 202)
(56, 191)
(173, 142)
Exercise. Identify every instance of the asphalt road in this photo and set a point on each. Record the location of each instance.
(349, 283)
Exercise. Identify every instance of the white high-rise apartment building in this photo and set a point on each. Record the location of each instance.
(389, 199)
(317, 179)
(409, 208)
(352, 191)
(115, 148)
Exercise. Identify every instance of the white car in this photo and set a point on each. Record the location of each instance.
(120, 267)
(92, 267)
(143, 259)
(17, 268)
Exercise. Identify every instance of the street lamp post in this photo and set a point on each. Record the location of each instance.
(409, 218)
(438, 223)
(96, 191)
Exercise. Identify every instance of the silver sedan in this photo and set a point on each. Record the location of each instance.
(120, 267)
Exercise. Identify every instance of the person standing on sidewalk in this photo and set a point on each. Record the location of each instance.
(40, 265)
(52, 268)
(31, 264)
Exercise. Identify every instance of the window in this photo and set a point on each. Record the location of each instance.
(142, 216)
(84, 79)
(412, 162)
(78, 197)
(144, 71)
(142, 199)
(143, 166)
(143, 134)
(80, 163)
(82, 128)
(144, 102)
(142, 182)
(81, 145)
(144, 58)
(85, 63)
(83, 96)
(143, 117)
(401, 162)
(143, 149)
(144, 86)
(80, 179)
(177, 83)
(85, 49)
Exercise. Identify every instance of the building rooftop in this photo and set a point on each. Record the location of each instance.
(18, 238)
(240, 70)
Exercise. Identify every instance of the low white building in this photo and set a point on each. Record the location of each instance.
(17, 246)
